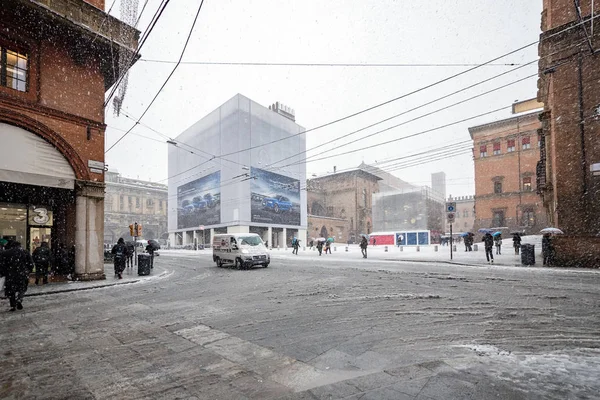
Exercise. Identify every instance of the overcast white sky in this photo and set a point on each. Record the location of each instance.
(336, 31)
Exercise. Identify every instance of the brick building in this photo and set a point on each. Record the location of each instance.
(340, 204)
(57, 59)
(506, 153)
(569, 167)
(464, 216)
(131, 200)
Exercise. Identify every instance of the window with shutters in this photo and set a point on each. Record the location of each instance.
(482, 151)
(510, 145)
(526, 143)
(496, 148)
(527, 184)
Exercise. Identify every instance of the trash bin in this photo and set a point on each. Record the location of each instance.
(527, 254)
(144, 264)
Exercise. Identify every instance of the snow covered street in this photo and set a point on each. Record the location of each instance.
(306, 327)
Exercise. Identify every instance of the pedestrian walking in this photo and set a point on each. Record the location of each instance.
(374, 242)
(130, 252)
(498, 243)
(295, 246)
(42, 257)
(120, 252)
(311, 244)
(488, 241)
(328, 247)
(363, 246)
(547, 249)
(16, 265)
(320, 247)
(517, 243)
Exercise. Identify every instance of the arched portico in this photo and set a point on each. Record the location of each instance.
(39, 169)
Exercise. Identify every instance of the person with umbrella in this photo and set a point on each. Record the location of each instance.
(547, 249)
(42, 257)
(328, 245)
(498, 242)
(517, 242)
(488, 242)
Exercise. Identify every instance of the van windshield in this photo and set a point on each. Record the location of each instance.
(250, 240)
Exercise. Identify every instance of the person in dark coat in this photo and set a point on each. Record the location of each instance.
(17, 264)
(42, 257)
(488, 241)
(150, 249)
(130, 253)
(547, 249)
(517, 243)
(320, 247)
(120, 253)
(61, 260)
(363, 246)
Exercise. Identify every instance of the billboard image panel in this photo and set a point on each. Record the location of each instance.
(275, 198)
(199, 202)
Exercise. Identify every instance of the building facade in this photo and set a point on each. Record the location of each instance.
(340, 205)
(232, 181)
(464, 219)
(569, 164)
(127, 201)
(57, 59)
(413, 209)
(506, 153)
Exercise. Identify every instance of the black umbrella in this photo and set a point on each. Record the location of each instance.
(154, 244)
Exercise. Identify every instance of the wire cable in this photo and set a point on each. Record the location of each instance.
(299, 64)
(166, 81)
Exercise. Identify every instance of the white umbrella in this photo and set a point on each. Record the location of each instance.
(321, 239)
(553, 231)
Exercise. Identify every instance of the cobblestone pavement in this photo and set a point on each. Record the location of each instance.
(310, 328)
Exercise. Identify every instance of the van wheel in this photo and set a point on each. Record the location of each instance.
(219, 262)
(239, 264)
(266, 265)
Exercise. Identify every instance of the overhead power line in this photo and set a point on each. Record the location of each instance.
(304, 64)
(166, 80)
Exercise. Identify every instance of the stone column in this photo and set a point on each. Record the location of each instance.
(89, 230)
(270, 236)
(284, 238)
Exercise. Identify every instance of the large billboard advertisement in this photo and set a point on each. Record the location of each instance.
(275, 198)
(199, 202)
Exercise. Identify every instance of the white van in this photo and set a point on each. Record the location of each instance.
(244, 250)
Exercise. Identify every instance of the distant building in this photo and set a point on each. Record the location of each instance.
(233, 184)
(506, 153)
(438, 183)
(464, 216)
(410, 209)
(340, 204)
(127, 201)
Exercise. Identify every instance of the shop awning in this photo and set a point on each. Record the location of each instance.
(28, 159)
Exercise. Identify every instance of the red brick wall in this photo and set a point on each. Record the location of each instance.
(63, 98)
(96, 3)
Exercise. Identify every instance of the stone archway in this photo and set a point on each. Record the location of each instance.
(324, 232)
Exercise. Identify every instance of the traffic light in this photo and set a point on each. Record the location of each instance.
(139, 230)
(131, 232)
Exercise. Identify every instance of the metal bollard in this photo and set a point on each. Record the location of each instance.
(334, 248)
(435, 248)
(346, 249)
(475, 247)
(454, 247)
(304, 249)
(418, 249)
(386, 249)
(401, 248)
